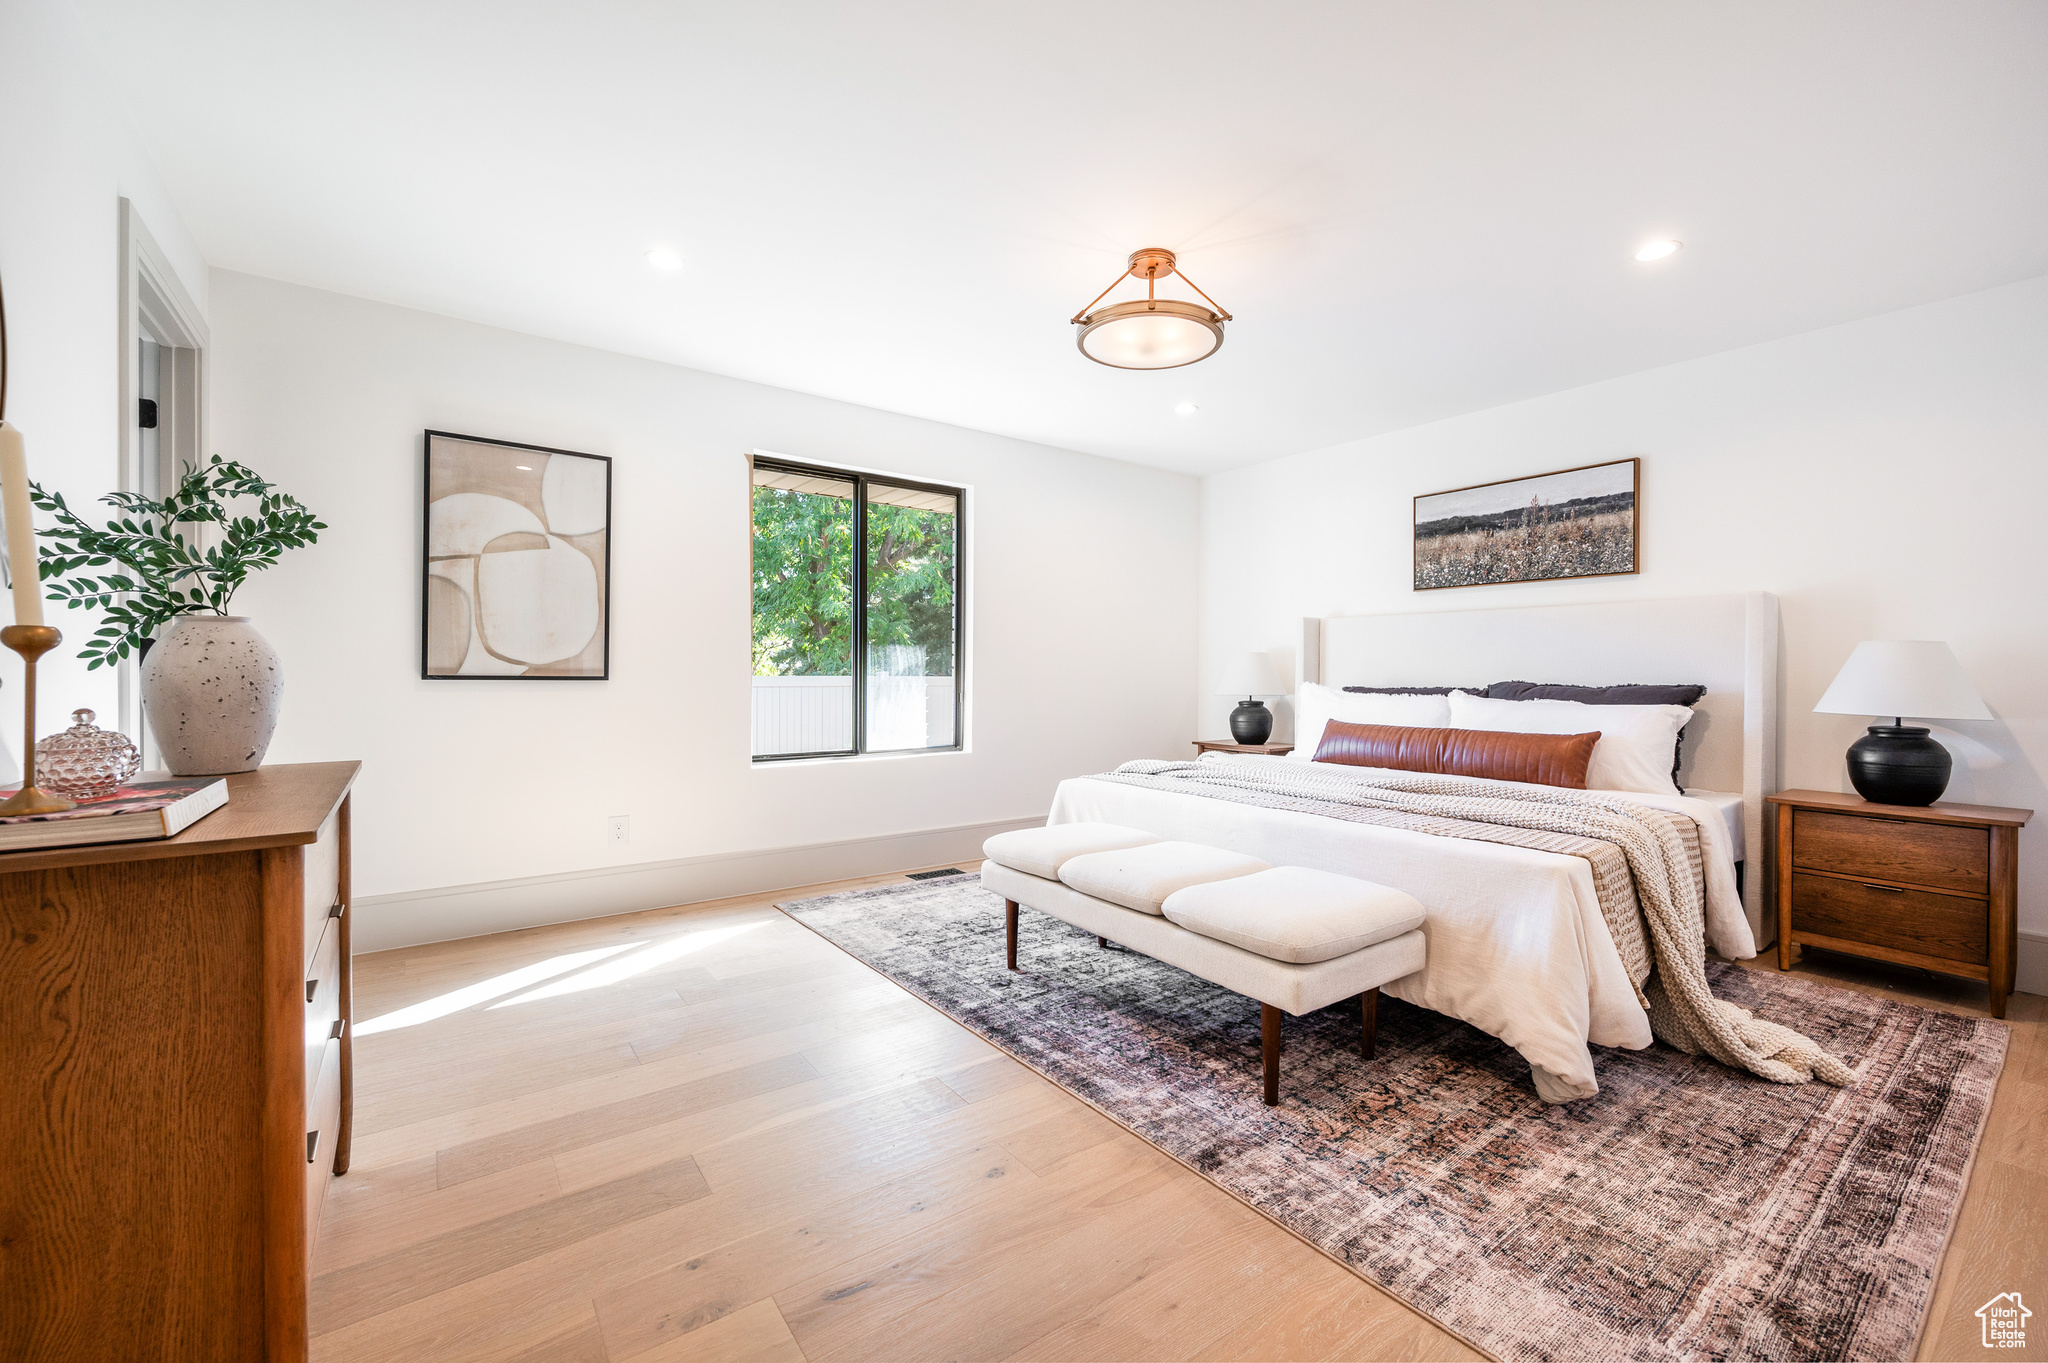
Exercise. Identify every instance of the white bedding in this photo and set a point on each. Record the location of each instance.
(1731, 813)
(1517, 944)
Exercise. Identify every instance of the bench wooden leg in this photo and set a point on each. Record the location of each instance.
(1010, 926)
(1269, 1024)
(1102, 942)
(1369, 1012)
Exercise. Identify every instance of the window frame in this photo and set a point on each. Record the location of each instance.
(860, 479)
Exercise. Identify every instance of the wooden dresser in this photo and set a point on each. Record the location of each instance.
(175, 1079)
(1935, 887)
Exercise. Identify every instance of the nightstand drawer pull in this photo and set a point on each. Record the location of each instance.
(312, 1145)
(312, 988)
(335, 912)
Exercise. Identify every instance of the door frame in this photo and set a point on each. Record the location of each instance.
(154, 299)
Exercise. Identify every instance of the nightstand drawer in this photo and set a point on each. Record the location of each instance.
(1890, 849)
(1942, 925)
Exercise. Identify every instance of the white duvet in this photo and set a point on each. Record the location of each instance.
(1517, 945)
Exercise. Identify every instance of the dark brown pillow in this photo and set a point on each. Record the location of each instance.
(1540, 759)
(1413, 690)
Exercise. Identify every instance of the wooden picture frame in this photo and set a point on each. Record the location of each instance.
(1576, 522)
(515, 561)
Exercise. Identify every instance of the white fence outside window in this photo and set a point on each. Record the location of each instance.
(815, 714)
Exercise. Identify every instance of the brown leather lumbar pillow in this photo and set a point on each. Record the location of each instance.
(1540, 759)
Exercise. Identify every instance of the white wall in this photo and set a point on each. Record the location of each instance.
(1081, 578)
(1887, 479)
(66, 161)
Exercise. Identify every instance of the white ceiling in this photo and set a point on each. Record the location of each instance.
(1414, 210)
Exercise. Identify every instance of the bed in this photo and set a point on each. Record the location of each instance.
(1518, 945)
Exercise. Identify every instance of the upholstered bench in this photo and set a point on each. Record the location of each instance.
(1293, 938)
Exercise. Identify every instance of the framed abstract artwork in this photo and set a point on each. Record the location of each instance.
(1578, 522)
(517, 574)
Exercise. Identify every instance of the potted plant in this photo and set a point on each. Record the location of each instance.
(211, 685)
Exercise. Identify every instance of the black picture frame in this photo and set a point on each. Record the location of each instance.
(601, 560)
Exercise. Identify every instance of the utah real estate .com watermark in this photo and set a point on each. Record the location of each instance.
(2005, 1321)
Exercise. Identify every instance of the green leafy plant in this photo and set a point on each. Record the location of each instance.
(803, 583)
(163, 572)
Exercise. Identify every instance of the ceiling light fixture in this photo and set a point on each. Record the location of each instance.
(1657, 250)
(1186, 409)
(662, 258)
(1151, 332)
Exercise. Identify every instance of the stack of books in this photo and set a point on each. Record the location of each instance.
(136, 812)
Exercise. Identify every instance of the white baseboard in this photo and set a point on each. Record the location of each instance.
(2031, 968)
(414, 917)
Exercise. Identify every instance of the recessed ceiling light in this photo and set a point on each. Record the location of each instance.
(1186, 409)
(662, 258)
(1657, 250)
(524, 468)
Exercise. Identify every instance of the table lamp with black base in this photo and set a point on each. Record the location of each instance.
(1899, 763)
(1251, 675)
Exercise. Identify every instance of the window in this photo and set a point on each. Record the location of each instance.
(851, 568)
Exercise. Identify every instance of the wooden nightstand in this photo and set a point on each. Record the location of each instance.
(1203, 745)
(1936, 887)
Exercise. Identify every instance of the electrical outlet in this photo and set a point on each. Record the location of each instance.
(619, 830)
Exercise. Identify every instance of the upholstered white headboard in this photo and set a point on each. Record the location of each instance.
(1727, 643)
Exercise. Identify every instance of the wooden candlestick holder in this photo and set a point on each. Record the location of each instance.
(31, 642)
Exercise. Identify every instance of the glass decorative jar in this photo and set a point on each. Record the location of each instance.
(85, 761)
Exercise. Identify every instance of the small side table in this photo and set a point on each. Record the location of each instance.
(1203, 745)
(1934, 887)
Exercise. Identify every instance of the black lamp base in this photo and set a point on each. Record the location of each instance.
(1898, 764)
(1251, 722)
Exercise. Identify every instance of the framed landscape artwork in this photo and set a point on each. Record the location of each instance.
(1573, 523)
(517, 579)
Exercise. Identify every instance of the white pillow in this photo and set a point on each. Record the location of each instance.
(1636, 741)
(1315, 706)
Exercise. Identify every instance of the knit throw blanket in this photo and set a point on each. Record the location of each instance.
(1668, 893)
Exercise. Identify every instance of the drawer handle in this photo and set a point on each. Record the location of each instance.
(312, 1145)
(1890, 889)
(334, 1032)
(336, 911)
(312, 987)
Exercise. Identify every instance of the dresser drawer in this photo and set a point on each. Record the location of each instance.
(323, 1129)
(323, 1003)
(1941, 925)
(1934, 855)
(322, 876)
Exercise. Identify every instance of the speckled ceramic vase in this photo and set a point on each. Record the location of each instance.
(211, 688)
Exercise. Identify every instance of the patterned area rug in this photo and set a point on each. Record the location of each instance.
(1690, 1211)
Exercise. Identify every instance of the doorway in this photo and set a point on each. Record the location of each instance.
(163, 405)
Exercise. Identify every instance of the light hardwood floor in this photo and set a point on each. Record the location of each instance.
(759, 1149)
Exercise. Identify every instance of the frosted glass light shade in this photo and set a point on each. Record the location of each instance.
(1903, 677)
(1164, 334)
(1250, 674)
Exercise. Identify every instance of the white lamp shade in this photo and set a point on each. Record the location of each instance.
(1250, 674)
(1900, 677)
